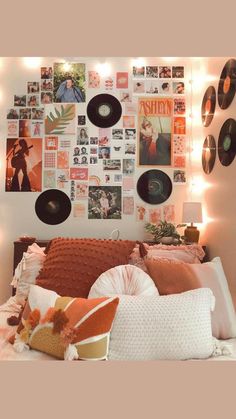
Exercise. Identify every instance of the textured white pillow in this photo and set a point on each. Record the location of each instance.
(176, 326)
(124, 280)
(27, 271)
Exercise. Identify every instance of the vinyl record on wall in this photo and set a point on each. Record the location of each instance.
(208, 106)
(53, 207)
(104, 110)
(227, 84)
(227, 142)
(154, 186)
(208, 154)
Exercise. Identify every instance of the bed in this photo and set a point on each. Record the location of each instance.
(226, 352)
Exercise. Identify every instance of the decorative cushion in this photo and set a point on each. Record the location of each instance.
(27, 271)
(174, 277)
(123, 279)
(163, 327)
(73, 265)
(190, 254)
(65, 327)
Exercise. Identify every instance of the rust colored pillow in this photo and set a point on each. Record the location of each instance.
(171, 276)
(73, 265)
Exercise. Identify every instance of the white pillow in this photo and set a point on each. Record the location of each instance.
(27, 271)
(123, 279)
(176, 326)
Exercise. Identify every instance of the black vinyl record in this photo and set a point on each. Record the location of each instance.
(53, 207)
(104, 110)
(208, 154)
(227, 84)
(154, 187)
(208, 106)
(227, 142)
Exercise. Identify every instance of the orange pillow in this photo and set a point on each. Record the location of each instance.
(73, 265)
(171, 276)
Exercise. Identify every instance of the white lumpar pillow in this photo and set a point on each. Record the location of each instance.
(175, 327)
(123, 279)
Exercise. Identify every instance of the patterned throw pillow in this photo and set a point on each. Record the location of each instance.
(66, 327)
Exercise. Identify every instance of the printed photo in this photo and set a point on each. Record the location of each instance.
(82, 136)
(24, 165)
(13, 114)
(128, 183)
(130, 148)
(37, 128)
(104, 202)
(33, 100)
(180, 161)
(112, 164)
(179, 125)
(153, 87)
(62, 178)
(46, 98)
(50, 160)
(24, 128)
(65, 143)
(33, 87)
(107, 178)
(93, 160)
(80, 151)
(138, 71)
(152, 72)
(117, 134)
(117, 148)
(169, 213)
(62, 159)
(155, 132)
(140, 213)
(12, 128)
(164, 72)
(25, 113)
(154, 215)
(60, 119)
(128, 166)
(165, 88)
(79, 210)
(104, 152)
(81, 120)
(104, 135)
(178, 88)
(46, 73)
(117, 178)
(125, 97)
(138, 86)
(128, 205)
(93, 150)
(179, 176)
(179, 144)
(109, 83)
(69, 82)
(47, 85)
(130, 134)
(80, 160)
(81, 190)
(93, 140)
(79, 173)
(20, 100)
(131, 108)
(49, 178)
(93, 80)
(37, 113)
(122, 80)
(128, 121)
(179, 106)
(51, 143)
(178, 72)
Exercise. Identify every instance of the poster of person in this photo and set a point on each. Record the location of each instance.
(46, 73)
(81, 120)
(140, 213)
(33, 87)
(46, 98)
(151, 71)
(82, 136)
(37, 128)
(154, 215)
(81, 190)
(178, 88)
(69, 82)
(49, 179)
(138, 71)
(33, 100)
(24, 165)
(104, 202)
(46, 85)
(117, 134)
(155, 131)
(169, 213)
(20, 100)
(12, 128)
(60, 119)
(93, 80)
(179, 177)
(128, 166)
(104, 152)
(178, 72)
(37, 113)
(164, 72)
(138, 86)
(13, 113)
(130, 148)
(130, 134)
(128, 205)
(104, 135)
(24, 128)
(25, 113)
(165, 88)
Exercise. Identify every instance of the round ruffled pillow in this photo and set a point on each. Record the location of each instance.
(123, 280)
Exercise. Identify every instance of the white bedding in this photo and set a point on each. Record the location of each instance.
(7, 353)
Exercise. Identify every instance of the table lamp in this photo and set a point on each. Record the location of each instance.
(192, 213)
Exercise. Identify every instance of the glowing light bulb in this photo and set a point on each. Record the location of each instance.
(32, 62)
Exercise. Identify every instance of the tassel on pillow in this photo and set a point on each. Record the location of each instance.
(71, 353)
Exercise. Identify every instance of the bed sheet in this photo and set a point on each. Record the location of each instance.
(7, 353)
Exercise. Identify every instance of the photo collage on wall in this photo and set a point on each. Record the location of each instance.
(52, 144)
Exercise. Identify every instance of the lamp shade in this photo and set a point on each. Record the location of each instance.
(192, 212)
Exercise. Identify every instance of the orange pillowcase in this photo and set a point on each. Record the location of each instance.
(172, 277)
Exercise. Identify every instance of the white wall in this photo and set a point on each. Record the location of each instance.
(17, 209)
(219, 193)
